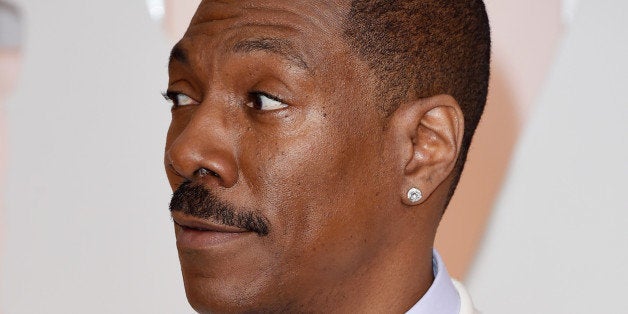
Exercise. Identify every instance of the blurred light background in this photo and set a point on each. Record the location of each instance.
(156, 9)
(537, 225)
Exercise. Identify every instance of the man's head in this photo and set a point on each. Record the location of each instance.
(298, 127)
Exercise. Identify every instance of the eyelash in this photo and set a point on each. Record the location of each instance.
(179, 99)
(170, 97)
(254, 97)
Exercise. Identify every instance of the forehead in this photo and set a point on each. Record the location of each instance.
(313, 28)
(315, 11)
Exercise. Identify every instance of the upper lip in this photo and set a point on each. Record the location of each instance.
(201, 224)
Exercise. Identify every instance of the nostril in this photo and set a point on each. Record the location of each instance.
(203, 172)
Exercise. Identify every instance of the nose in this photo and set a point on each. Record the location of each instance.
(201, 152)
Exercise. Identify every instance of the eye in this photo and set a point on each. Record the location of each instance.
(179, 99)
(262, 101)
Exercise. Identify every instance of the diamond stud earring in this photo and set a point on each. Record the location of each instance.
(414, 195)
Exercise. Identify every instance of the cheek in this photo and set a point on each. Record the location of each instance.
(317, 190)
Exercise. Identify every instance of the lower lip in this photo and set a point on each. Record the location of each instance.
(196, 239)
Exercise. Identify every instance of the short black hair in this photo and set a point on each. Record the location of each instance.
(426, 48)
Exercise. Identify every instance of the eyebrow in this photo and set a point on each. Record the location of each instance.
(179, 54)
(279, 46)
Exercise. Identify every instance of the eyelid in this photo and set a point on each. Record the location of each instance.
(273, 102)
(174, 97)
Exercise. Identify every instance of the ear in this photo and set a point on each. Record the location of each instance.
(430, 132)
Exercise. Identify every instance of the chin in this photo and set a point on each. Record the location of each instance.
(207, 296)
(245, 291)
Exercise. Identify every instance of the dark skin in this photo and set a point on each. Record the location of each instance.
(274, 104)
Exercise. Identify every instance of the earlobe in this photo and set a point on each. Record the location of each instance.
(432, 130)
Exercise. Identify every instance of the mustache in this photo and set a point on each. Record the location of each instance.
(197, 201)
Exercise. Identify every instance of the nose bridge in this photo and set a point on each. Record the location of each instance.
(205, 143)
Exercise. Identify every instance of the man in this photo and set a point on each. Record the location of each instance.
(313, 149)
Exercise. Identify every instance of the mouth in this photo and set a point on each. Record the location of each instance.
(197, 233)
(200, 224)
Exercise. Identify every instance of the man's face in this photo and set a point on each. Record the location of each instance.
(277, 118)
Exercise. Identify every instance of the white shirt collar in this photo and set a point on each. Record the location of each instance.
(442, 296)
